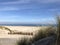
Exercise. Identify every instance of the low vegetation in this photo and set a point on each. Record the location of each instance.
(58, 30)
(24, 41)
(43, 33)
(22, 33)
(49, 31)
(15, 32)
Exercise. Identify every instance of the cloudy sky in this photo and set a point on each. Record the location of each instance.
(29, 11)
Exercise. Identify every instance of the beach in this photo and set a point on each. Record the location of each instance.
(10, 39)
(26, 29)
(9, 35)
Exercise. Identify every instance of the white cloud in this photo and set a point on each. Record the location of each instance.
(11, 8)
(44, 20)
(8, 8)
(48, 20)
(54, 9)
(28, 1)
(16, 2)
(48, 1)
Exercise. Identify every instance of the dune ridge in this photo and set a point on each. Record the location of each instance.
(17, 31)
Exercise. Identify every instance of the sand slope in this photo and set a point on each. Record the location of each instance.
(4, 32)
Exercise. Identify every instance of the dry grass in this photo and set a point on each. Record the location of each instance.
(58, 30)
(3, 27)
(46, 32)
(24, 41)
(42, 33)
(49, 31)
(15, 32)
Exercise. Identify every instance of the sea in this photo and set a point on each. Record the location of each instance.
(27, 24)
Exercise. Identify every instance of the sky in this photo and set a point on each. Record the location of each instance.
(29, 11)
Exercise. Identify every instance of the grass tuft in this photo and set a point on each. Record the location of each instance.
(46, 32)
(24, 41)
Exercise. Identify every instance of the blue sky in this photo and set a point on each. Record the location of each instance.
(29, 11)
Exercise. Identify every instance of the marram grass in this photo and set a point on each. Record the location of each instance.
(43, 33)
(24, 41)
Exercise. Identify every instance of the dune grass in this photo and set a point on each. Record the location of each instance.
(24, 41)
(43, 33)
(58, 27)
(3, 27)
(49, 31)
(58, 30)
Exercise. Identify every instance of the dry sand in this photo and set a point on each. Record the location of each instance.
(4, 32)
(9, 39)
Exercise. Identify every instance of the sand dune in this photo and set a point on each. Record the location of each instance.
(11, 39)
(4, 30)
(23, 28)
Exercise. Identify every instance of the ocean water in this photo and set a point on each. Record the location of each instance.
(27, 24)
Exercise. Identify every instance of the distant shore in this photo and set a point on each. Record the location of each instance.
(26, 24)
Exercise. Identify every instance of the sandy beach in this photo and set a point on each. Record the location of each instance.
(26, 29)
(11, 39)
